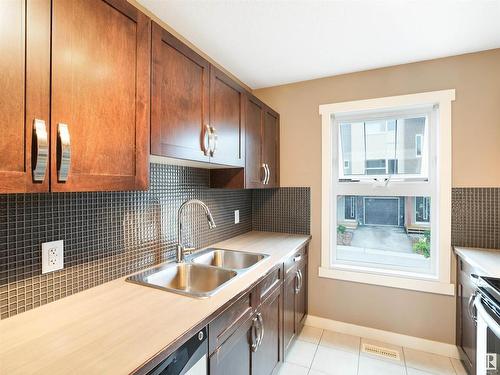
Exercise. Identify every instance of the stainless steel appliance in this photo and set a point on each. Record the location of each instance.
(487, 303)
(189, 359)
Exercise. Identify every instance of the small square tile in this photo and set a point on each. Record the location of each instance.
(429, 362)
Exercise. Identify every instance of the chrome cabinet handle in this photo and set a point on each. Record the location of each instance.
(297, 258)
(255, 343)
(206, 140)
(297, 282)
(268, 174)
(263, 166)
(41, 152)
(214, 137)
(470, 307)
(63, 152)
(261, 329)
(301, 280)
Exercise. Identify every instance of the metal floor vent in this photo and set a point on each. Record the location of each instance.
(380, 351)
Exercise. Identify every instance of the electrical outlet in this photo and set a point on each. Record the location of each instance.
(52, 256)
(236, 216)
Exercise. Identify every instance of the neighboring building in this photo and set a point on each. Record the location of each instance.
(412, 213)
(387, 147)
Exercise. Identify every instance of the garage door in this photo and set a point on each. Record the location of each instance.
(381, 211)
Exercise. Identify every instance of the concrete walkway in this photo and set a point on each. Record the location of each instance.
(382, 238)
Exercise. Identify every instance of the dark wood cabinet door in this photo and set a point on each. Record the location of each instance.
(233, 356)
(254, 171)
(289, 309)
(100, 91)
(268, 354)
(466, 327)
(24, 91)
(270, 148)
(227, 119)
(180, 99)
(301, 299)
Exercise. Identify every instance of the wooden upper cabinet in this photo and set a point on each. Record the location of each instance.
(254, 170)
(100, 96)
(261, 170)
(24, 94)
(180, 99)
(262, 145)
(270, 146)
(226, 120)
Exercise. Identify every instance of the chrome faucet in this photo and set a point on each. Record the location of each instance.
(181, 249)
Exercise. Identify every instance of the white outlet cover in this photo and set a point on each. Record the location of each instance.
(52, 256)
(236, 216)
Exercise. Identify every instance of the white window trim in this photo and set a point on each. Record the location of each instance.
(440, 282)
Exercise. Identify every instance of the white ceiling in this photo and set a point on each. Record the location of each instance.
(272, 42)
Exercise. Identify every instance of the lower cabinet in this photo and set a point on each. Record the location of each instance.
(466, 326)
(266, 351)
(234, 355)
(295, 296)
(254, 340)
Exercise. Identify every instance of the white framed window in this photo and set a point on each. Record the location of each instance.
(386, 219)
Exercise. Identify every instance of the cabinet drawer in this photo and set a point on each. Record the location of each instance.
(293, 262)
(269, 283)
(228, 321)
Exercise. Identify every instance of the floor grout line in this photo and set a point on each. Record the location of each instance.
(359, 356)
(317, 346)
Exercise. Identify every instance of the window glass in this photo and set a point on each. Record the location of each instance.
(384, 232)
(383, 147)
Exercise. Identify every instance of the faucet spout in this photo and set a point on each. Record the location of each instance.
(210, 219)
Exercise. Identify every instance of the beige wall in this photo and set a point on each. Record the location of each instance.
(476, 160)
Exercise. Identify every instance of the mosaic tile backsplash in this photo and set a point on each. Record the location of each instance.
(475, 220)
(106, 235)
(284, 210)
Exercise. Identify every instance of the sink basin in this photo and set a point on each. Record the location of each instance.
(228, 259)
(189, 279)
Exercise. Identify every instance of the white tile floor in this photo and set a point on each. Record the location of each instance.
(321, 352)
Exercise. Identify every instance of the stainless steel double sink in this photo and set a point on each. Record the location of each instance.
(201, 275)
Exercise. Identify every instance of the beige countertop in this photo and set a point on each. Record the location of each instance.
(484, 260)
(116, 327)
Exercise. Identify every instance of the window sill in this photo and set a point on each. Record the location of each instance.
(422, 284)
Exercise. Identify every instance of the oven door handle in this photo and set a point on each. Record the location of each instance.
(483, 314)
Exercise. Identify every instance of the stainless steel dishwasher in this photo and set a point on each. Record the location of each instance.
(190, 359)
